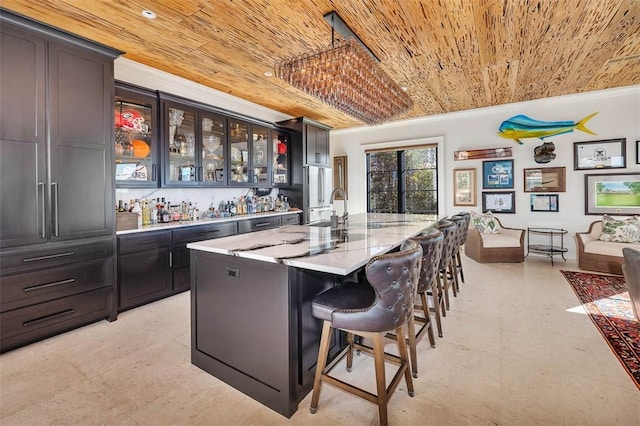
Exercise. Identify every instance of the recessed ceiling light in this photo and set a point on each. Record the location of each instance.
(268, 74)
(148, 14)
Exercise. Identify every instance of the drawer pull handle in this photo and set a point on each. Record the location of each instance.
(48, 317)
(51, 256)
(208, 232)
(258, 225)
(143, 242)
(53, 284)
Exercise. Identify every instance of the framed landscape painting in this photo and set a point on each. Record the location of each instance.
(612, 193)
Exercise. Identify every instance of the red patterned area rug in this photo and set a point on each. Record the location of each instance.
(606, 300)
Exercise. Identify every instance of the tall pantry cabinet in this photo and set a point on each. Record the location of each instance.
(57, 233)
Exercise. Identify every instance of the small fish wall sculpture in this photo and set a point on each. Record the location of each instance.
(522, 127)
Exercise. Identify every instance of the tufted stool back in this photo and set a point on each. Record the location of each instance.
(431, 242)
(394, 278)
(465, 229)
(450, 233)
(459, 221)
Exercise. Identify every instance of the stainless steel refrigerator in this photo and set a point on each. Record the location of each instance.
(319, 183)
(312, 194)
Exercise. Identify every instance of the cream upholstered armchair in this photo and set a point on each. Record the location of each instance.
(488, 241)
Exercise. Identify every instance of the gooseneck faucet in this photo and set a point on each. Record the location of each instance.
(342, 192)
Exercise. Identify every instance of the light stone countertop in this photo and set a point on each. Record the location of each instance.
(318, 247)
(207, 221)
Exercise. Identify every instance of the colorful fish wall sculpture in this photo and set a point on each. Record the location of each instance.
(522, 127)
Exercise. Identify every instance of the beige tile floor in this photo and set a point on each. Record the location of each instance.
(512, 354)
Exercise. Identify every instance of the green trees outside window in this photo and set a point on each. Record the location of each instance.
(403, 181)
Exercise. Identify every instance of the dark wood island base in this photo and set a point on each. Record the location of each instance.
(251, 326)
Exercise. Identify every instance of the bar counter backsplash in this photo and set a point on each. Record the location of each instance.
(166, 206)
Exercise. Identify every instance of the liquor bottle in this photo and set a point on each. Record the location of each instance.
(137, 210)
(145, 213)
(120, 206)
(154, 214)
(196, 212)
(233, 207)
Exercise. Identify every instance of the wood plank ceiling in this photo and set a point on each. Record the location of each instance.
(451, 54)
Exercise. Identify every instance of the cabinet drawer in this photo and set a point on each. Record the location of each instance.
(290, 219)
(21, 290)
(204, 232)
(12, 261)
(258, 224)
(26, 325)
(143, 241)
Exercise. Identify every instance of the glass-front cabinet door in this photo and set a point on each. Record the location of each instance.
(259, 173)
(213, 142)
(136, 137)
(280, 158)
(238, 152)
(181, 162)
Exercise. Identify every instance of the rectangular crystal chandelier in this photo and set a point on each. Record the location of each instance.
(346, 77)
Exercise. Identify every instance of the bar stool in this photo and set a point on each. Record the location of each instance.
(370, 309)
(465, 231)
(457, 265)
(450, 233)
(431, 242)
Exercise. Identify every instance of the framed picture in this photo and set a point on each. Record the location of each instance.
(637, 152)
(497, 174)
(605, 154)
(544, 202)
(464, 187)
(340, 175)
(499, 202)
(612, 193)
(545, 179)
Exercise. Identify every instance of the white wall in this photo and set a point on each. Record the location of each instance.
(619, 116)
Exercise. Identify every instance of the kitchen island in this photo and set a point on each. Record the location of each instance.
(251, 322)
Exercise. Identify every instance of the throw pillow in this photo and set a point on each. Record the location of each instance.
(484, 223)
(620, 231)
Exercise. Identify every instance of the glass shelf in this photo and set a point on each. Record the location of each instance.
(551, 249)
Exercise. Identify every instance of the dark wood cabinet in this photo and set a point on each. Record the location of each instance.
(290, 219)
(22, 138)
(311, 141)
(181, 254)
(251, 154)
(81, 149)
(51, 288)
(76, 199)
(258, 224)
(144, 268)
(137, 150)
(193, 144)
(155, 264)
(317, 146)
(56, 181)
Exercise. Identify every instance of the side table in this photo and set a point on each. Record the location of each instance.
(550, 249)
